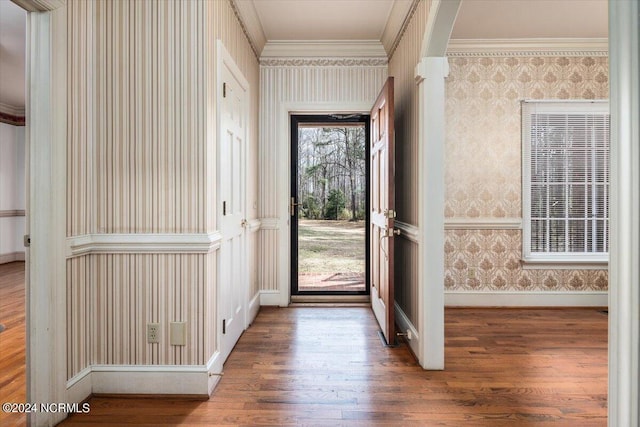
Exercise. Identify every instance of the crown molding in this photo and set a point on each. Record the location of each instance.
(528, 47)
(324, 62)
(12, 110)
(246, 13)
(40, 5)
(399, 18)
(351, 49)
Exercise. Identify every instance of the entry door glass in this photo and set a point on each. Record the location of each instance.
(332, 211)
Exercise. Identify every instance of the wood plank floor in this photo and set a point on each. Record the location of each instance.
(12, 340)
(308, 366)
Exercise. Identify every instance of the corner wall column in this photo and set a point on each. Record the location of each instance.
(430, 75)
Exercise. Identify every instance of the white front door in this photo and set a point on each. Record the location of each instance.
(232, 282)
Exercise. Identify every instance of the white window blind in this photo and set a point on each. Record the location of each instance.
(566, 180)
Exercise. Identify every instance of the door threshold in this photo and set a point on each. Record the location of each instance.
(330, 299)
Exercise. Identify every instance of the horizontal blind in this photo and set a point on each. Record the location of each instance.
(567, 160)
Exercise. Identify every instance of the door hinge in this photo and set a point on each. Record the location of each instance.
(224, 208)
(224, 90)
(27, 240)
(224, 326)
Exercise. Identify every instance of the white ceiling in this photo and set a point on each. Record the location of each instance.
(356, 20)
(12, 55)
(504, 19)
(323, 20)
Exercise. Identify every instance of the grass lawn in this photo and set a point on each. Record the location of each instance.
(331, 246)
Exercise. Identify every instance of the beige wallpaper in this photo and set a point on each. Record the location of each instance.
(483, 172)
(402, 67)
(141, 120)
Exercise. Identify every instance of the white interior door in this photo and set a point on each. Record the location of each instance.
(232, 283)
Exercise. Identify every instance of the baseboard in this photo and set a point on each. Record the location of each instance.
(406, 326)
(270, 298)
(526, 299)
(12, 257)
(79, 387)
(254, 307)
(175, 380)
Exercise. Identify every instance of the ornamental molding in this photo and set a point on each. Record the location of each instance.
(143, 243)
(527, 47)
(323, 62)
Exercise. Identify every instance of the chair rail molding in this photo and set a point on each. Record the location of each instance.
(141, 243)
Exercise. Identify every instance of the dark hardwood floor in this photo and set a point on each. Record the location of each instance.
(327, 367)
(12, 340)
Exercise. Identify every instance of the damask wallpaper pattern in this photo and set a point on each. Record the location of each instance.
(483, 165)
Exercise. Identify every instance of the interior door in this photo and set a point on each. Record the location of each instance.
(231, 178)
(382, 212)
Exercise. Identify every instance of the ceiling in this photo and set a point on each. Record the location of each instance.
(378, 21)
(323, 20)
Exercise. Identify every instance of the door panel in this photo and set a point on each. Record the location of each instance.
(382, 212)
(232, 143)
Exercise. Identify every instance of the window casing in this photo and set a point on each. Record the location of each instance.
(565, 181)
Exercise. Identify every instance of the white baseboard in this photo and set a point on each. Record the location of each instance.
(406, 326)
(11, 257)
(79, 387)
(270, 298)
(254, 307)
(526, 299)
(192, 380)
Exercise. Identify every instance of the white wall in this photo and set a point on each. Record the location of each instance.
(12, 192)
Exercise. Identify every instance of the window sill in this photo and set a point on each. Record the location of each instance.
(565, 263)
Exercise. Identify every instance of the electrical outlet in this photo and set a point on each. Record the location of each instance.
(153, 332)
(471, 273)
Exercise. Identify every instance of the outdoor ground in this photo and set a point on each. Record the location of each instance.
(331, 255)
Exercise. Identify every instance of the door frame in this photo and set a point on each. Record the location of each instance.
(282, 223)
(295, 120)
(46, 210)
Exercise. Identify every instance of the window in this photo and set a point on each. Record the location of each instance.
(565, 181)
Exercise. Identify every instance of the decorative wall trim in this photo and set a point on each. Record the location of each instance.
(12, 110)
(12, 213)
(12, 257)
(528, 47)
(526, 299)
(344, 49)
(239, 16)
(250, 23)
(254, 225)
(399, 19)
(270, 298)
(483, 224)
(408, 231)
(79, 387)
(201, 243)
(40, 5)
(270, 223)
(405, 325)
(254, 308)
(323, 62)
(11, 119)
(191, 380)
